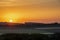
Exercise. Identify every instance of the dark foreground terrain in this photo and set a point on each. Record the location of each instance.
(25, 36)
(29, 31)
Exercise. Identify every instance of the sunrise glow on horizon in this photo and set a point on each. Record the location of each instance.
(44, 11)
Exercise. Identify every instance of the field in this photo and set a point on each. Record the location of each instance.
(29, 30)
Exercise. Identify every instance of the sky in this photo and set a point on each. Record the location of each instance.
(43, 11)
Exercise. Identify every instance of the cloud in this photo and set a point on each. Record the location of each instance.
(6, 3)
(28, 2)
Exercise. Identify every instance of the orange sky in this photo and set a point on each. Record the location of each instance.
(45, 11)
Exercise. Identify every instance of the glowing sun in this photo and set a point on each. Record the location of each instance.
(10, 20)
(12, 17)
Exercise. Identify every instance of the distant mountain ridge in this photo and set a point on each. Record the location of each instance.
(30, 24)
